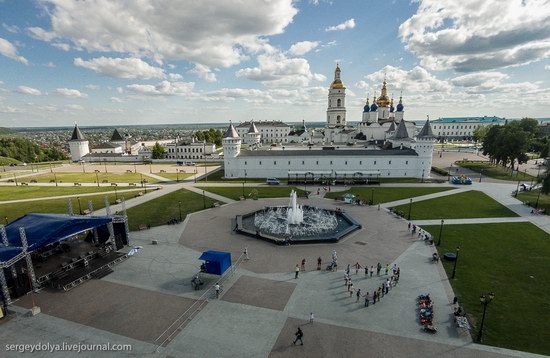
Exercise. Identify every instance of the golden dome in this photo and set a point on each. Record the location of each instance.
(337, 83)
(383, 100)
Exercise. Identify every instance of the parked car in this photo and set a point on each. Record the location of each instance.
(272, 181)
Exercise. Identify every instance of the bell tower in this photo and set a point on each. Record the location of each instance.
(336, 111)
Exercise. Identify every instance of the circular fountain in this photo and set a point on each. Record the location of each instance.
(297, 223)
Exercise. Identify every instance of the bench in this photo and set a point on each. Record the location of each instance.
(182, 171)
(33, 181)
(143, 227)
(24, 184)
(118, 201)
(77, 184)
(132, 184)
(114, 184)
(129, 171)
(163, 171)
(140, 193)
(104, 181)
(216, 204)
(86, 212)
(97, 171)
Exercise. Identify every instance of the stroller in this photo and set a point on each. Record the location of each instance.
(330, 267)
(196, 282)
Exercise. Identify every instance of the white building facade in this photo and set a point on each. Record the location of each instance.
(462, 128)
(78, 145)
(270, 131)
(189, 149)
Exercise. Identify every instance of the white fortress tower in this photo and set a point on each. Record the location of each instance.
(78, 145)
(253, 137)
(424, 147)
(231, 143)
(336, 111)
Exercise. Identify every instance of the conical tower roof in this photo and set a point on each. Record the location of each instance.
(117, 137)
(253, 128)
(426, 130)
(77, 134)
(392, 127)
(231, 132)
(401, 132)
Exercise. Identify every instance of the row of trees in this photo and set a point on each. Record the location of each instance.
(211, 136)
(28, 151)
(508, 145)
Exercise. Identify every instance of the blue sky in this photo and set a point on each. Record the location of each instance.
(175, 61)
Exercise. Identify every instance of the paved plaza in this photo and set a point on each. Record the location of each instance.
(150, 297)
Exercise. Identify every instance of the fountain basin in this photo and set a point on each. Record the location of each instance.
(318, 225)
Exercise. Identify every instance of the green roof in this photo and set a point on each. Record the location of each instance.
(483, 119)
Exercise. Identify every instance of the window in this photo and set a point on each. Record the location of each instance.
(289, 162)
(406, 162)
(375, 162)
(360, 162)
(346, 162)
(303, 163)
(245, 162)
(260, 162)
(338, 102)
(389, 162)
(274, 162)
(331, 162)
(317, 162)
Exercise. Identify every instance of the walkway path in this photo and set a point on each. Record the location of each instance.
(425, 197)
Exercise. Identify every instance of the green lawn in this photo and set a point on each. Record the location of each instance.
(262, 192)
(385, 195)
(29, 192)
(469, 204)
(531, 197)
(174, 176)
(89, 178)
(510, 260)
(218, 177)
(159, 211)
(57, 206)
(496, 172)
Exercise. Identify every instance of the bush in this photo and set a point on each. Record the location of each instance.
(440, 171)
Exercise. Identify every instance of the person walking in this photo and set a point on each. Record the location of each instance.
(296, 271)
(351, 289)
(379, 293)
(367, 299)
(217, 289)
(409, 226)
(374, 297)
(387, 286)
(311, 317)
(378, 268)
(319, 261)
(366, 270)
(346, 279)
(347, 269)
(245, 252)
(357, 266)
(371, 270)
(387, 268)
(299, 335)
(303, 264)
(358, 294)
(350, 285)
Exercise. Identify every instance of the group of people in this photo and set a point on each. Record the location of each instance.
(422, 234)
(379, 292)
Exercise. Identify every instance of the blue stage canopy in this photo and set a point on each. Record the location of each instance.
(7, 253)
(217, 262)
(45, 229)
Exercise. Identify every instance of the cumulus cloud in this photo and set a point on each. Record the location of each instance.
(11, 28)
(302, 47)
(547, 67)
(348, 24)
(470, 35)
(209, 32)
(68, 92)
(8, 49)
(204, 72)
(92, 87)
(164, 88)
(73, 107)
(130, 68)
(278, 70)
(28, 90)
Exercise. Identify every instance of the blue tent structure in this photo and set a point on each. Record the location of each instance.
(45, 229)
(217, 262)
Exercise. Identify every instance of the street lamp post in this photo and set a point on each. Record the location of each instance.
(243, 192)
(51, 170)
(456, 260)
(145, 185)
(203, 200)
(538, 197)
(151, 168)
(105, 164)
(177, 175)
(96, 179)
(116, 195)
(179, 206)
(410, 207)
(517, 189)
(245, 176)
(480, 175)
(135, 168)
(440, 233)
(55, 178)
(485, 300)
(141, 176)
(423, 175)
(79, 206)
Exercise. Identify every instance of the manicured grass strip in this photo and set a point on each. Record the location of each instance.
(400, 180)
(531, 197)
(510, 260)
(30, 192)
(496, 172)
(174, 176)
(159, 211)
(89, 178)
(469, 204)
(385, 195)
(218, 177)
(57, 206)
(235, 193)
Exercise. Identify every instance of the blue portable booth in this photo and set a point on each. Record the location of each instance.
(216, 262)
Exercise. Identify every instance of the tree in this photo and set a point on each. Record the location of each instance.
(480, 133)
(530, 125)
(158, 151)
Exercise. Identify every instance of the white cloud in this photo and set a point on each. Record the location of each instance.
(130, 68)
(68, 92)
(416, 80)
(209, 32)
(547, 67)
(11, 28)
(348, 24)
(73, 107)
(165, 88)
(173, 77)
(8, 109)
(92, 87)
(276, 70)
(49, 64)
(302, 47)
(62, 46)
(204, 72)
(470, 35)
(116, 100)
(8, 49)
(28, 90)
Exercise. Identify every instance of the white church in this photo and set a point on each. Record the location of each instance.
(383, 145)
